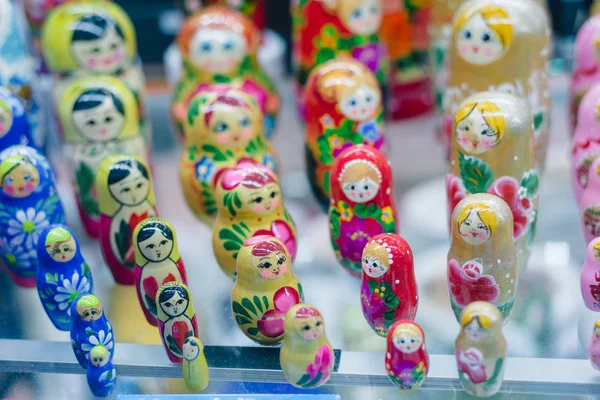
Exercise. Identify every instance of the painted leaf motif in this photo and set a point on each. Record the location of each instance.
(226, 234)
(150, 304)
(172, 345)
(252, 331)
(325, 55)
(217, 155)
(85, 179)
(372, 286)
(538, 120)
(363, 211)
(123, 240)
(530, 183)
(238, 309)
(497, 371)
(476, 174)
(248, 305)
(194, 109)
(334, 222)
(51, 279)
(325, 153)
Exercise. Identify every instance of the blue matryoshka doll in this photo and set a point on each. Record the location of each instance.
(29, 203)
(14, 125)
(101, 373)
(90, 328)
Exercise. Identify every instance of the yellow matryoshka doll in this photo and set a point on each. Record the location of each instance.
(222, 128)
(195, 367)
(99, 117)
(492, 152)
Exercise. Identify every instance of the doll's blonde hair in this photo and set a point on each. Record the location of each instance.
(356, 170)
(491, 113)
(339, 81)
(406, 327)
(376, 250)
(57, 235)
(88, 301)
(484, 212)
(10, 163)
(495, 17)
(472, 314)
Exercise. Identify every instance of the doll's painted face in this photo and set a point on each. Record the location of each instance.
(475, 332)
(375, 261)
(407, 339)
(90, 313)
(6, 118)
(478, 43)
(98, 45)
(596, 250)
(310, 328)
(474, 134)
(62, 251)
(597, 329)
(473, 229)
(190, 349)
(21, 180)
(263, 200)
(231, 126)
(132, 189)
(157, 247)
(98, 116)
(360, 104)
(99, 358)
(360, 182)
(218, 51)
(175, 305)
(272, 266)
(361, 18)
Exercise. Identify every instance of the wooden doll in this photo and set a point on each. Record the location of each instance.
(99, 118)
(265, 289)
(176, 318)
(62, 274)
(126, 198)
(481, 349)
(388, 290)
(101, 373)
(90, 328)
(362, 203)
(406, 359)
(220, 46)
(222, 128)
(590, 203)
(343, 108)
(29, 203)
(157, 261)
(249, 204)
(306, 356)
(594, 347)
(492, 152)
(590, 276)
(482, 261)
(500, 46)
(14, 123)
(195, 368)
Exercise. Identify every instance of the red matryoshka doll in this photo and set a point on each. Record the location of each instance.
(406, 359)
(389, 289)
(362, 203)
(343, 108)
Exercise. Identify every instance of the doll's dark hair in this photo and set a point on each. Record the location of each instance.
(148, 230)
(92, 98)
(93, 27)
(169, 292)
(123, 169)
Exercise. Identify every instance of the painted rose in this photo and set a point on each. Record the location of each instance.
(370, 55)
(455, 190)
(469, 284)
(322, 364)
(507, 188)
(355, 235)
(471, 363)
(271, 323)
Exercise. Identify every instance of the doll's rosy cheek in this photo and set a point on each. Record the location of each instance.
(308, 335)
(118, 56)
(9, 189)
(258, 208)
(223, 138)
(247, 133)
(92, 62)
(275, 202)
(266, 274)
(284, 268)
(29, 186)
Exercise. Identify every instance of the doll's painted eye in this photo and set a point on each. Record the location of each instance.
(468, 34)
(164, 242)
(486, 37)
(375, 265)
(245, 122)
(27, 178)
(96, 50)
(114, 46)
(108, 119)
(168, 305)
(481, 226)
(318, 323)
(206, 47)
(258, 200)
(368, 99)
(273, 195)
(228, 46)
(91, 122)
(412, 340)
(306, 328)
(180, 301)
(467, 222)
(221, 127)
(150, 246)
(139, 185)
(357, 13)
(352, 103)
(402, 341)
(8, 180)
(374, 10)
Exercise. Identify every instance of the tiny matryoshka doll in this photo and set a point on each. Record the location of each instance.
(176, 318)
(500, 46)
(590, 276)
(480, 349)
(590, 203)
(157, 261)
(265, 289)
(126, 198)
(362, 203)
(219, 45)
(222, 128)
(594, 347)
(14, 125)
(62, 274)
(482, 261)
(99, 118)
(343, 108)
(249, 203)
(406, 359)
(29, 203)
(195, 367)
(389, 289)
(306, 356)
(101, 373)
(492, 152)
(90, 328)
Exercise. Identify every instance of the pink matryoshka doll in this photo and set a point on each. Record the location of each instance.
(406, 359)
(590, 276)
(594, 347)
(389, 288)
(362, 203)
(587, 64)
(590, 203)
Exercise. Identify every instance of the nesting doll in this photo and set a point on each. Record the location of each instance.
(265, 289)
(176, 318)
(195, 367)
(492, 152)
(29, 203)
(101, 373)
(254, 9)
(90, 328)
(406, 359)
(220, 46)
(590, 276)
(343, 108)
(594, 347)
(590, 203)
(481, 349)
(62, 274)
(14, 123)
(362, 203)
(125, 198)
(222, 128)
(157, 261)
(306, 356)
(249, 204)
(388, 290)
(91, 38)
(500, 46)
(99, 118)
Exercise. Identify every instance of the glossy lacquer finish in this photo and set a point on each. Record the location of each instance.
(101, 373)
(195, 368)
(406, 358)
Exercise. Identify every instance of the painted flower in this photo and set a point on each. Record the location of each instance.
(205, 169)
(26, 227)
(370, 55)
(282, 231)
(346, 213)
(94, 339)
(355, 235)
(470, 362)
(271, 323)
(469, 284)
(326, 121)
(455, 191)
(70, 290)
(507, 188)
(256, 92)
(334, 141)
(369, 131)
(321, 364)
(387, 215)
(269, 162)
(17, 256)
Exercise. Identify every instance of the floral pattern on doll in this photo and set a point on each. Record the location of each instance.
(402, 367)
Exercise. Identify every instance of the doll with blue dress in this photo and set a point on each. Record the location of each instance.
(14, 123)
(101, 373)
(90, 328)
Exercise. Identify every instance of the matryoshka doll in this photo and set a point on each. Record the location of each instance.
(343, 108)
(590, 203)
(249, 203)
(480, 349)
(590, 276)
(99, 118)
(362, 203)
(157, 261)
(219, 45)
(14, 125)
(176, 318)
(62, 274)
(126, 198)
(265, 289)
(482, 261)
(195, 367)
(388, 289)
(501, 46)
(306, 356)
(101, 373)
(492, 152)
(254, 9)
(406, 359)
(29, 203)
(223, 128)
(90, 328)
(594, 347)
